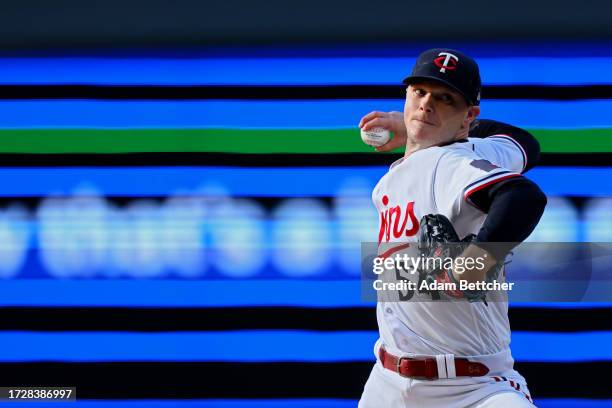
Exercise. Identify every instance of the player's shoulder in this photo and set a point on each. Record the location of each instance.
(426, 156)
(504, 150)
(457, 151)
(498, 140)
(449, 157)
(461, 158)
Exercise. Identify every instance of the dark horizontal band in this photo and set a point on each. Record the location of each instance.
(254, 159)
(152, 380)
(300, 92)
(256, 318)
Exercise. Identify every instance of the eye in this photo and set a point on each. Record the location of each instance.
(419, 92)
(447, 98)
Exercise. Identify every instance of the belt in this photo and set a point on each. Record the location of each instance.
(427, 367)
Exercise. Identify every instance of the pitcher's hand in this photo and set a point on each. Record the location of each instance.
(393, 121)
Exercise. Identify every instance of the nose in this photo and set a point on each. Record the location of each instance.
(426, 104)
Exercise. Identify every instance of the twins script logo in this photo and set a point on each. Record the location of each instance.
(445, 61)
(394, 220)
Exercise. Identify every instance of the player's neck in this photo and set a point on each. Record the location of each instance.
(412, 146)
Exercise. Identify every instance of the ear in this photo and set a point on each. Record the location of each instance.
(472, 114)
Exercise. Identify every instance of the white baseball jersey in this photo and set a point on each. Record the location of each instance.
(440, 180)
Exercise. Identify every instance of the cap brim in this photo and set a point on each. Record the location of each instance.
(410, 79)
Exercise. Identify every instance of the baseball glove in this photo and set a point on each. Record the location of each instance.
(439, 245)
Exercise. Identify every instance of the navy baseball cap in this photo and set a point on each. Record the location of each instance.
(451, 68)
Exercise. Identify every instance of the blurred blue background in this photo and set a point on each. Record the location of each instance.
(149, 268)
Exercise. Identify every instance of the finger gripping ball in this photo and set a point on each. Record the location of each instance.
(375, 136)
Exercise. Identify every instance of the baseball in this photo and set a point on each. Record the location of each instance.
(375, 136)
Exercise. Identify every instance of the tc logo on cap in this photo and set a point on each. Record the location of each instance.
(445, 61)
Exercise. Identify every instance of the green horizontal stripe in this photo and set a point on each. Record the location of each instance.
(574, 140)
(248, 140)
(181, 140)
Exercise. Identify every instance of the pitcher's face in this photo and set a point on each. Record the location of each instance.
(436, 114)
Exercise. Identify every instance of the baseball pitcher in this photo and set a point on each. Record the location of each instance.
(459, 180)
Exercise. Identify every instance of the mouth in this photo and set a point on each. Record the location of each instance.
(424, 121)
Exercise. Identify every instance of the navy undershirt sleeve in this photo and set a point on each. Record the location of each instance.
(531, 146)
(513, 208)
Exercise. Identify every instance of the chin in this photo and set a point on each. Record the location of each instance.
(422, 133)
